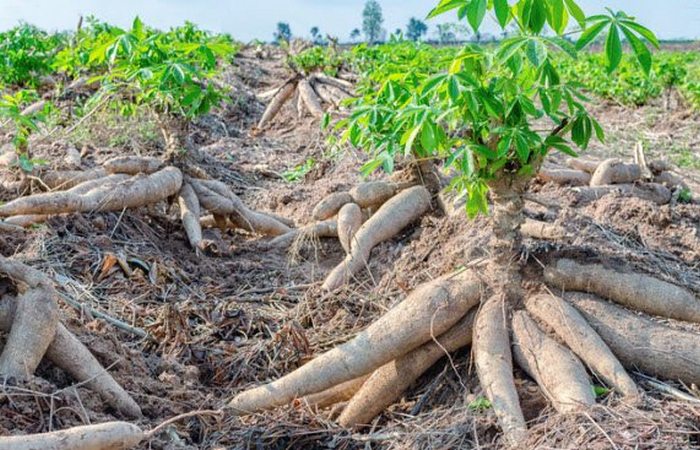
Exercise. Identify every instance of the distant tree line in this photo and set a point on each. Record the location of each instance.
(372, 30)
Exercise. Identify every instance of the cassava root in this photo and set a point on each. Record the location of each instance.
(429, 311)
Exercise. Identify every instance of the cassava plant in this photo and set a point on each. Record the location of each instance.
(483, 119)
(170, 75)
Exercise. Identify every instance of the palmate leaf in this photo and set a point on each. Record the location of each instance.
(613, 48)
(502, 10)
(640, 50)
(446, 6)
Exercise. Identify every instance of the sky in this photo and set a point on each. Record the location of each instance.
(246, 20)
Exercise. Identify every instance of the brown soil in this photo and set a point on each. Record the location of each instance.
(223, 322)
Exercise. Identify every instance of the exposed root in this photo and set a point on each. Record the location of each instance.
(670, 180)
(132, 193)
(563, 176)
(585, 165)
(494, 366)
(66, 179)
(640, 342)
(32, 320)
(329, 206)
(391, 218)
(189, 214)
(133, 165)
(388, 382)
(578, 335)
(429, 311)
(613, 171)
(634, 290)
(339, 393)
(69, 354)
(344, 85)
(278, 101)
(543, 230)
(216, 197)
(310, 98)
(373, 194)
(652, 192)
(557, 371)
(104, 436)
(349, 221)
(327, 228)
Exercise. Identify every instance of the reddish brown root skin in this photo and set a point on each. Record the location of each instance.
(563, 176)
(558, 372)
(429, 311)
(640, 342)
(387, 383)
(278, 101)
(329, 206)
(133, 165)
(582, 339)
(349, 221)
(634, 290)
(104, 436)
(612, 171)
(494, 365)
(392, 217)
(652, 192)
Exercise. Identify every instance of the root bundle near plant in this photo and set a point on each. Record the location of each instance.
(391, 218)
(312, 93)
(430, 310)
(593, 180)
(135, 181)
(35, 332)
